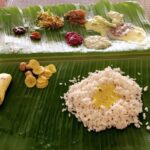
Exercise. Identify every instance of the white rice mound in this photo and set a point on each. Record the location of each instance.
(124, 112)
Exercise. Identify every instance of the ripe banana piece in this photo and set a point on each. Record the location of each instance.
(5, 80)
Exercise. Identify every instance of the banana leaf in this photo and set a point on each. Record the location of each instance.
(53, 40)
(32, 119)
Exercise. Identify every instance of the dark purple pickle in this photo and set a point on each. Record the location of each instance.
(20, 30)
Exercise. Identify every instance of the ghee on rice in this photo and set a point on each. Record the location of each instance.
(123, 112)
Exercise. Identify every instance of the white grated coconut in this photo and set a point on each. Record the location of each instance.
(124, 112)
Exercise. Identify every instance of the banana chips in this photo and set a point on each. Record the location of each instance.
(37, 75)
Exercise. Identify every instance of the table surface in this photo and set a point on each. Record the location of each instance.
(25, 3)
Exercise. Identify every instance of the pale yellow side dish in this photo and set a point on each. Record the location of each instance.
(136, 34)
(116, 17)
(5, 80)
(99, 24)
(117, 28)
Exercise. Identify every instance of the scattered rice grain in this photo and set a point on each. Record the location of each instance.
(145, 88)
(65, 84)
(144, 116)
(146, 109)
(146, 123)
(148, 127)
(64, 109)
(138, 73)
(61, 97)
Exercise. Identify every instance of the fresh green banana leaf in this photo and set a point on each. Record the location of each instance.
(33, 118)
(53, 40)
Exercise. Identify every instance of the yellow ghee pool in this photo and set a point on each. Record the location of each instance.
(105, 95)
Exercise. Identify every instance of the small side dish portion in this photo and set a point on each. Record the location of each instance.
(117, 28)
(49, 20)
(73, 38)
(124, 31)
(76, 17)
(105, 99)
(5, 80)
(35, 35)
(127, 32)
(99, 24)
(37, 75)
(97, 42)
(19, 30)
